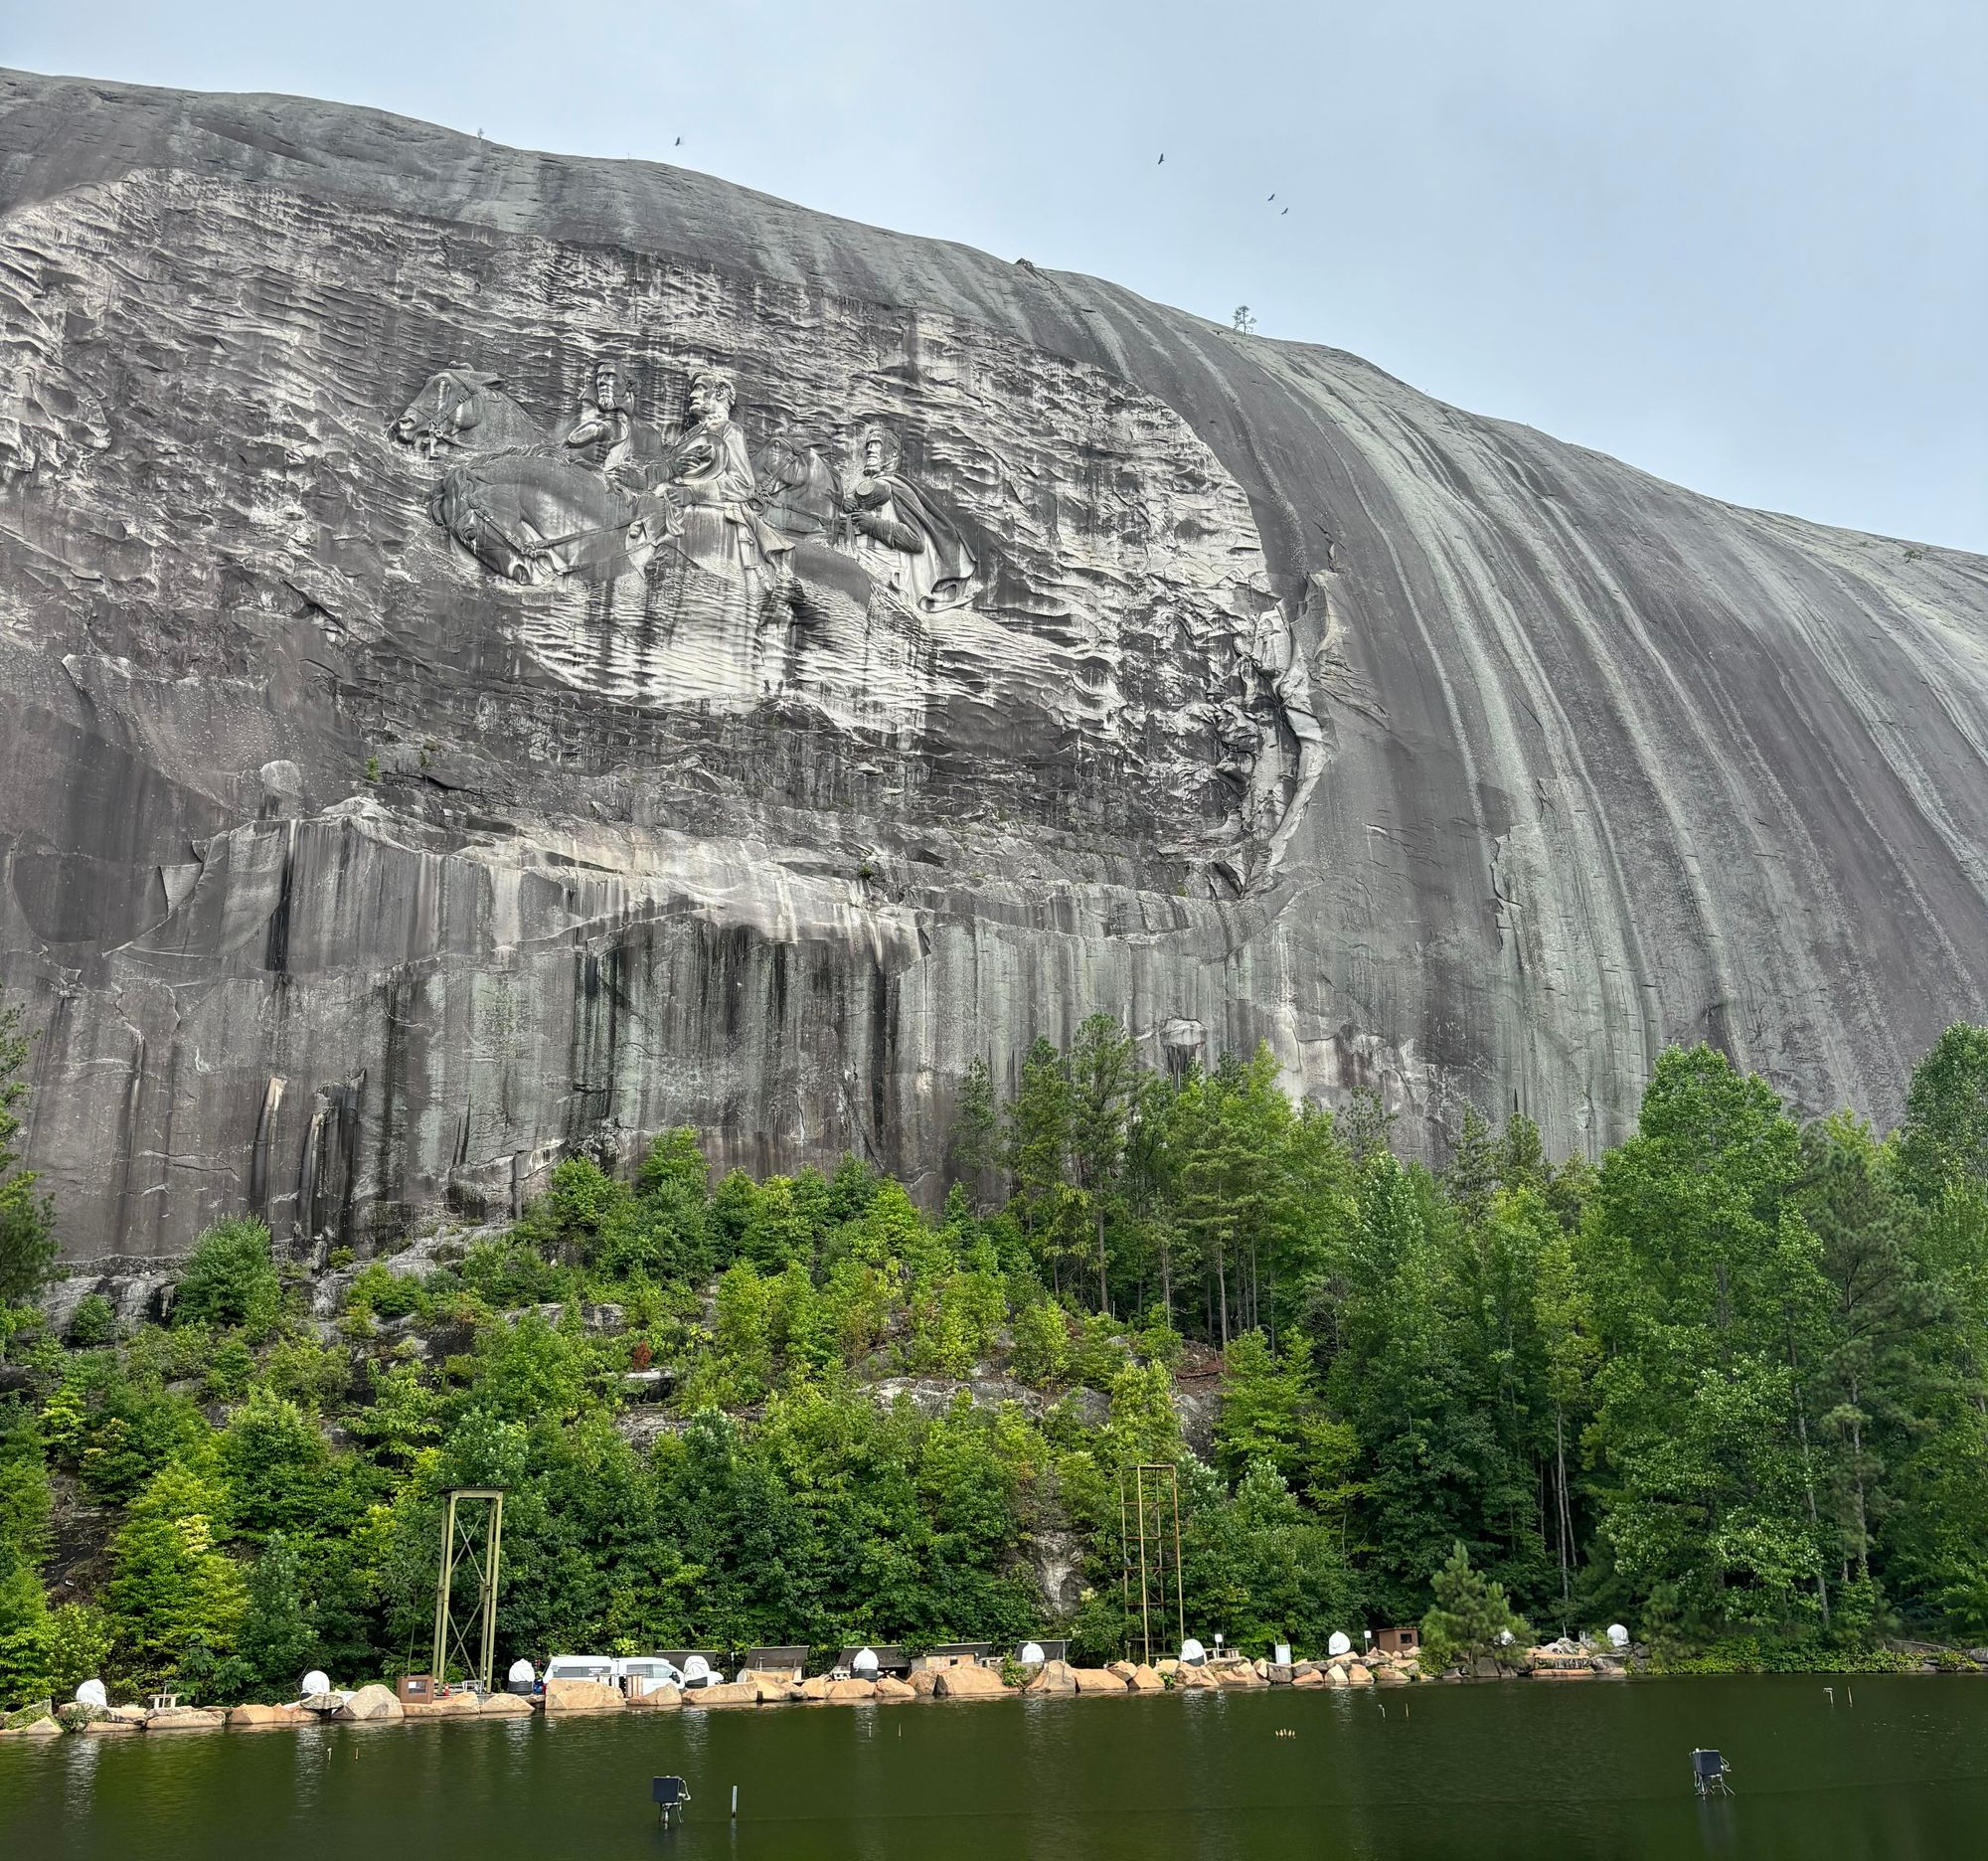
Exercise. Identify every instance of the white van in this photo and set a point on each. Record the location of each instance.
(598, 1669)
(642, 1674)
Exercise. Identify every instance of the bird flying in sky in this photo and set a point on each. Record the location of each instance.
(1163, 156)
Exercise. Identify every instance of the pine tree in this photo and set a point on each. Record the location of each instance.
(1472, 1620)
(1101, 1075)
(973, 1145)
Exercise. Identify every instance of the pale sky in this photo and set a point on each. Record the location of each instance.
(1743, 245)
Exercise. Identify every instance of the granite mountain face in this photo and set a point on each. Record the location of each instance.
(503, 653)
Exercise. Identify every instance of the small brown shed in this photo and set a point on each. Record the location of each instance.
(1398, 1640)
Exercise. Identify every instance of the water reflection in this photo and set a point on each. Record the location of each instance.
(1492, 1772)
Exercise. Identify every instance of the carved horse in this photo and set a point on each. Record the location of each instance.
(466, 410)
(530, 516)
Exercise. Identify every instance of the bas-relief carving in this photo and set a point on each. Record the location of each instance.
(816, 564)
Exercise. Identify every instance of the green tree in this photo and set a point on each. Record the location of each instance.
(24, 1633)
(229, 1279)
(1472, 1620)
(1101, 1076)
(80, 1645)
(276, 1644)
(1704, 1287)
(1944, 1137)
(973, 1142)
(27, 1219)
(172, 1591)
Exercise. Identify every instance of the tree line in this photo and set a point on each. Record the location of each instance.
(1727, 1384)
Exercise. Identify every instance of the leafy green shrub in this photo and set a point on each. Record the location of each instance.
(380, 1290)
(1041, 1356)
(230, 1278)
(93, 1322)
(79, 1641)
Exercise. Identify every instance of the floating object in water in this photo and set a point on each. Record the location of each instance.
(670, 1794)
(1709, 1771)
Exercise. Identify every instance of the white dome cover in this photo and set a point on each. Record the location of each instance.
(696, 1669)
(1618, 1637)
(864, 1666)
(521, 1670)
(1339, 1644)
(315, 1682)
(92, 1693)
(1192, 1652)
(1031, 1655)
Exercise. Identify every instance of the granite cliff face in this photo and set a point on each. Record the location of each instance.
(499, 654)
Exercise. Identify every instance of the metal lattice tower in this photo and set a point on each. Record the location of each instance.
(1148, 1530)
(472, 1534)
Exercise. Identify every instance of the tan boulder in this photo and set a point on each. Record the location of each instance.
(724, 1693)
(582, 1696)
(459, 1705)
(969, 1683)
(116, 1718)
(890, 1687)
(1356, 1675)
(1166, 1665)
(373, 1705)
(776, 1689)
(846, 1692)
(1241, 1678)
(1311, 1677)
(924, 1683)
(42, 1728)
(1052, 1678)
(254, 1718)
(193, 1717)
(1194, 1679)
(815, 1687)
(1389, 1676)
(1123, 1669)
(1096, 1680)
(663, 1697)
(1146, 1680)
(1335, 1677)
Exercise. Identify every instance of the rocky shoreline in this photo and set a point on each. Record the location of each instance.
(376, 1704)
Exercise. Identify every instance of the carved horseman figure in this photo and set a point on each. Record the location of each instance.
(906, 541)
(711, 482)
(608, 434)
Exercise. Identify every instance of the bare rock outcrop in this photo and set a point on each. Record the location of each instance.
(500, 654)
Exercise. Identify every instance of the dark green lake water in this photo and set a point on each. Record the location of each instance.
(1515, 1770)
